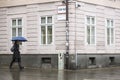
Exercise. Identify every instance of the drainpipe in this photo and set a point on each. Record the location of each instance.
(67, 36)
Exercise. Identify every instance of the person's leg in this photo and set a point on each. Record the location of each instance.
(19, 63)
(13, 60)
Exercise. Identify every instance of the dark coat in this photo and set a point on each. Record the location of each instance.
(16, 53)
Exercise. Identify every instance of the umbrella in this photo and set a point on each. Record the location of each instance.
(19, 38)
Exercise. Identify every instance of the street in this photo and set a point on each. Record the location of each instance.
(38, 74)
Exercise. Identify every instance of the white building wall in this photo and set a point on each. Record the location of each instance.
(47, 9)
(60, 31)
(80, 30)
(34, 45)
(100, 13)
(34, 12)
(110, 13)
(16, 12)
(81, 13)
(117, 30)
(31, 17)
(109, 3)
(100, 30)
(72, 28)
(3, 31)
(32, 29)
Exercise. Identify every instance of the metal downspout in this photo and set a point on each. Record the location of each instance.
(67, 35)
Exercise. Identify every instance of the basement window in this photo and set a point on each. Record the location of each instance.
(112, 60)
(92, 61)
(46, 60)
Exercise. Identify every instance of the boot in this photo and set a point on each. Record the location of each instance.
(10, 67)
(21, 67)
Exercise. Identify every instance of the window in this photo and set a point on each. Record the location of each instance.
(92, 61)
(46, 30)
(16, 27)
(112, 60)
(90, 30)
(110, 31)
(46, 60)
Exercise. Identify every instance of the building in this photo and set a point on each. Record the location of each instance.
(93, 32)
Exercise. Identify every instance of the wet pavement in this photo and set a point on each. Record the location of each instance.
(83, 74)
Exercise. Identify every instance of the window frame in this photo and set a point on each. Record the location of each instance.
(17, 27)
(110, 27)
(86, 24)
(46, 30)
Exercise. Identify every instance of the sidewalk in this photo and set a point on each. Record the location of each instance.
(37, 74)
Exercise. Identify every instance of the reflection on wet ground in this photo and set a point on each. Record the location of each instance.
(37, 74)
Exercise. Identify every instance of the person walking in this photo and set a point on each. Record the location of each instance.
(16, 55)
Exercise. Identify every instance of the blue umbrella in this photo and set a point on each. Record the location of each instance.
(19, 38)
